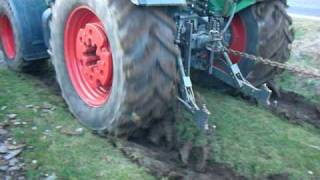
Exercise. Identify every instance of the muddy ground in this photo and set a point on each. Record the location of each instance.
(296, 109)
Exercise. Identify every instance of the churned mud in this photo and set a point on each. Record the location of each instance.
(296, 108)
(166, 163)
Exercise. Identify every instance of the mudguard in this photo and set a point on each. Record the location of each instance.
(29, 26)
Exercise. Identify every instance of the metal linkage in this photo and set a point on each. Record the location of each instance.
(231, 75)
(186, 25)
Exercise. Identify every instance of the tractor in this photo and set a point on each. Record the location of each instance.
(124, 65)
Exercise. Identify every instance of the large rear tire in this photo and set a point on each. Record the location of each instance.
(264, 29)
(274, 38)
(144, 71)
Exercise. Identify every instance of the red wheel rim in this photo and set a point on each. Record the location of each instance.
(7, 37)
(88, 56)
(238, 37)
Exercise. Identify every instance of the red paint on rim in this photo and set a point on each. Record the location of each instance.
(238, 37)
(7, 37)
(88, 56)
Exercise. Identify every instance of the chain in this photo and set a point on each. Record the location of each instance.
(312, 73)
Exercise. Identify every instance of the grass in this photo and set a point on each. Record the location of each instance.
(305, 54)
(69, 157)
(256, 143)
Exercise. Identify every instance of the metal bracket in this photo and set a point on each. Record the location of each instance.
(235, 79)
(200, 115)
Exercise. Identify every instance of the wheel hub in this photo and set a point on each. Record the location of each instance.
(94, 56)
(88, 56)
(7, 37)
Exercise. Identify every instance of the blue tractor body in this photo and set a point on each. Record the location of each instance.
(28, 16)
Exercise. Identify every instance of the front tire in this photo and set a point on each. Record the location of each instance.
(144, 71)
(10, 39)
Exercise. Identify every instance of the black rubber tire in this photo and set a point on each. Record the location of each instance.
(275, 36)
(144, 57)
(18, 63)
(269, 35)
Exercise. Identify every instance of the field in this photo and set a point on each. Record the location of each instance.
(250, 142)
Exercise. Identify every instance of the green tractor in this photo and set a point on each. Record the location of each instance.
(123, 66)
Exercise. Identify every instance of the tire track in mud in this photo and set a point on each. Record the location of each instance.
(296, 108)
(164, 163)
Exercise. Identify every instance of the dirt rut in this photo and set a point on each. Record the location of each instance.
(296, 108)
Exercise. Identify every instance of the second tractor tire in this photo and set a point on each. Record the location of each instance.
(268, 33)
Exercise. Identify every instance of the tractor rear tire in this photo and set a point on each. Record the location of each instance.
(275, 36)
(144, 83)
(265, 31)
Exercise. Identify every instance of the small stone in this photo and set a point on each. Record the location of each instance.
(12, 116)
(15, 147)
(58, 127)
(17, 123)
(3, 162)
(275, 102)
(14, 168)
(13, 162)
(3, 132)
(3, 148)
(79, 130)
(12, 154)
(47, 132)
(34, 128)
(310, 172)
(3, 108)
(34, 161)
(29, 106)
(24, 123)
(4, 168)
(47, 106)
(51, 177)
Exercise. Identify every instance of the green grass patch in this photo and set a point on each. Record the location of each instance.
(69, 157)
(307, 87)
(305, 54)
(257, 143)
